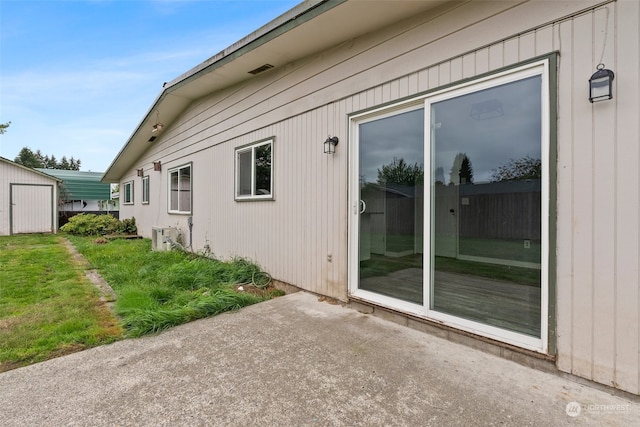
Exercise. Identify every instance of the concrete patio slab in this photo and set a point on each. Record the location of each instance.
(296, 361)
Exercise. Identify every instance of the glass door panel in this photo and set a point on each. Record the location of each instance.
(391, 189)
(486, 195)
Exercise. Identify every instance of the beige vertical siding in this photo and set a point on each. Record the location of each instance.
(12, 174)
(597, 241)
(293, 237)
(626, 213)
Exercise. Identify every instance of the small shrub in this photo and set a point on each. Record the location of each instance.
(128, 226)
(98, 225)
(91, 225)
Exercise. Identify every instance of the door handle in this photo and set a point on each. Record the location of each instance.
(363, 206)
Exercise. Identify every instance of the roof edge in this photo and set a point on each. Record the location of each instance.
(291, 15)
(298, 15)
(46, 175)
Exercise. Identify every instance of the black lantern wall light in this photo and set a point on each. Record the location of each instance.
(330, 144)
(601, 84)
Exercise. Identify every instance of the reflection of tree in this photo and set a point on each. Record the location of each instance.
(439, 175)
(401, 173)
(263, 169)
(519, 169)
(461, 170)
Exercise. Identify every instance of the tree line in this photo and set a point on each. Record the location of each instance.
(402, 173)
(26, 157)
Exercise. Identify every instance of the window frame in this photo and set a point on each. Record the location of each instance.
(538, 68)
(548, 64)
(145, 190)
(252, 148)
(124, 193)
(177, 170)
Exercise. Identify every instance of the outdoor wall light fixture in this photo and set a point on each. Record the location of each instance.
(157, 128)
(140, 172)
(601, 84)
(330, 144)
(157, 166)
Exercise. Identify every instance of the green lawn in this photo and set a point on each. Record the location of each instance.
(47, 305)
(49, 308)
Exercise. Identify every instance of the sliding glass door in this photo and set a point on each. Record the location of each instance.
(391, 200)
(486, 163)
(450, 208)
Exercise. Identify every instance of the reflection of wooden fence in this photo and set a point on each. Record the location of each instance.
(501, 210)
(391, 214)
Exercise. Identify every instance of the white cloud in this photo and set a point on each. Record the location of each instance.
(83, 102)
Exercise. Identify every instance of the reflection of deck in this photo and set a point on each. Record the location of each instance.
(497, 303)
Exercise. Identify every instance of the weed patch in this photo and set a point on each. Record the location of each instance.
(158, 290)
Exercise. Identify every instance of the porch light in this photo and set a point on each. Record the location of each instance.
(601, 84)
(140, 172)
(157, 128)
(330, 144)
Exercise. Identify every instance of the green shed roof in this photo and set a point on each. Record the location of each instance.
(80, 185)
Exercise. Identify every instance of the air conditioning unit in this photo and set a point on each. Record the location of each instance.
(162, 237)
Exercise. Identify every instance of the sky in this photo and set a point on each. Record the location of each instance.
(78, 76)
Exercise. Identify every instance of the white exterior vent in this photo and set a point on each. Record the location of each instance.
(161, 238)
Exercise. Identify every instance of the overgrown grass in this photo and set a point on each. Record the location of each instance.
(47, 305)
(49, 308)
(157, 290)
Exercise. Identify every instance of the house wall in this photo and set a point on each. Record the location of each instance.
(12, 174)
(301, 236)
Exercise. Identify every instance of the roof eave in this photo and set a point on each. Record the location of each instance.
(285, 22)
(297, 33)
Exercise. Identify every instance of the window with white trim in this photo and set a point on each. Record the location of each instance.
(254, 171)
(145, 189)
(180, 190)
(127, 193)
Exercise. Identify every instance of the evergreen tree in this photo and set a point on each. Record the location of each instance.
(466, 171)
(28, 158)
(461, 171)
